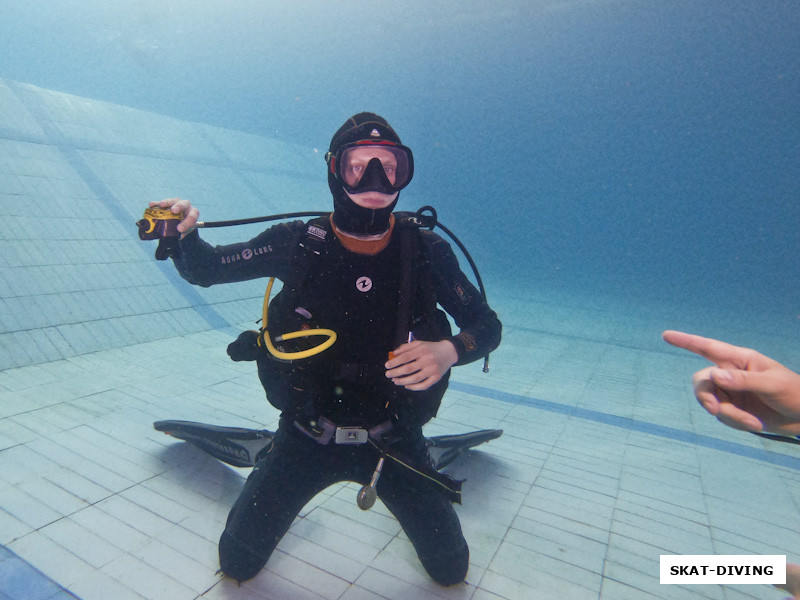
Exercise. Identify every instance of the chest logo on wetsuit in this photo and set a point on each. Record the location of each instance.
(317, 232)
(364, 284)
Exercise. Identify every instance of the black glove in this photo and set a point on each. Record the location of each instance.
(245, 347)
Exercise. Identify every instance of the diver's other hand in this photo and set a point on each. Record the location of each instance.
(418, 365)
(792, 584)
(179, 205)
(746, 390)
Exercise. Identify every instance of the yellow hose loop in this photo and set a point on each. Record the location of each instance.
(301, 353)
(291, 335)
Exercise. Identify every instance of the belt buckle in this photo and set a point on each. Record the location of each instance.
(351, 435)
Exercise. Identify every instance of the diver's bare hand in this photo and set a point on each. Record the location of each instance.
(179, 205)
(418, 365)
(745, 390)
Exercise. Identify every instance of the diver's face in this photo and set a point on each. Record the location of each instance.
(355, 166)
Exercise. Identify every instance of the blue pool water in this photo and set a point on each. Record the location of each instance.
(633, 147)
(614, 167)
(642, 148)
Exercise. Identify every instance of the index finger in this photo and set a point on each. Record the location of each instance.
(718, 352)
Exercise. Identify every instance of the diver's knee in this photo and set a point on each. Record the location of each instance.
(237, 560)
(449, 568)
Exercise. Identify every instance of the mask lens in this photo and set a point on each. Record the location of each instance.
(395, 162)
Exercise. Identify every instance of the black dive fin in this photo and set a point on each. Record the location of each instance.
(242, 447)
(444, 449)
(235, 446)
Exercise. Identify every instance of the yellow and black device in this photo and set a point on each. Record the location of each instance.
(159, 223)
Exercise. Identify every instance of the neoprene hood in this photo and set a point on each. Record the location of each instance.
(347, 215)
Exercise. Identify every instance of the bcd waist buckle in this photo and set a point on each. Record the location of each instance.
(351, 435)
(323, 431)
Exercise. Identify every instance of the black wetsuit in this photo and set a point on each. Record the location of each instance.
(357, 296)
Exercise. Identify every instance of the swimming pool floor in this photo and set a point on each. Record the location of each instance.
(606, 462)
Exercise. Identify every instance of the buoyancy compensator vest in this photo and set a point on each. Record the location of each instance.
(347, 382)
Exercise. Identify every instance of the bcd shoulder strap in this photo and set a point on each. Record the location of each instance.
(409, 235)
(310, 245)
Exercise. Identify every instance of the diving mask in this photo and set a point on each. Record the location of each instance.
(372, 166)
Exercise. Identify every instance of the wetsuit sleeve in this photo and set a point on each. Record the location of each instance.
(266, 255)
(480, 329)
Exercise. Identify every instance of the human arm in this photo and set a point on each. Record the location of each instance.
(417, 365)
(202, 264)
(745, 390)
(479, 329)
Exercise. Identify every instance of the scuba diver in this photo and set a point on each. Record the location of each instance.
(371, 281)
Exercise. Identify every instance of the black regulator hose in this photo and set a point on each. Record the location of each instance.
(431, 221)
(233, 222)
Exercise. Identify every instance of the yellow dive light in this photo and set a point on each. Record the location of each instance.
(292, 335)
